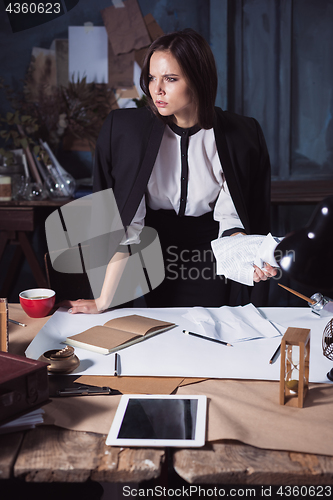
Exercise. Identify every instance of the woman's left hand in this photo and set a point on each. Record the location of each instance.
(82, 306)
(263, 274)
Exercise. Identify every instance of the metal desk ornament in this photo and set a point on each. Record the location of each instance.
(323, 306)
(320, 305)
(60, 360)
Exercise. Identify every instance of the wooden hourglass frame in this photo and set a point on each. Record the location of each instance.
(294, 374)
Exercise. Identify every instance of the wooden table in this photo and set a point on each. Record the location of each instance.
(50, 454)
(53, 454)
(237, 463)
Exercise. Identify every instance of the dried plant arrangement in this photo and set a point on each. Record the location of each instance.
(85, 107)
(78, 110)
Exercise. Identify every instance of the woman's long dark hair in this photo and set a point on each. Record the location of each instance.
(196, 60)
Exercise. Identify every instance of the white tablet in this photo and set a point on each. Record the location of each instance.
(159, 420)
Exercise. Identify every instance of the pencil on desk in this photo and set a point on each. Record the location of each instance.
(207, 338)
(275, 355)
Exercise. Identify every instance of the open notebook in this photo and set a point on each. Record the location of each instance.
(118, 333)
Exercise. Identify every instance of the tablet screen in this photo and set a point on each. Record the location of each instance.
(159, 421)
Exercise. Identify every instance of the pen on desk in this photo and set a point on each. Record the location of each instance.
(16, 322)
(206, 338)
(275, 355)
(116, 364)
(86, 391)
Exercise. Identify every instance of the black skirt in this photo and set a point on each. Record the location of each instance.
(190, 265)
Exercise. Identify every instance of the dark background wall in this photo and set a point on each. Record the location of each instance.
(274, 59)
(15, 48)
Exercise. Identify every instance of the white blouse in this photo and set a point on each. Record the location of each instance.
(207, 189)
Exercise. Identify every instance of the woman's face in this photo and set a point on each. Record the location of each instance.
(170, 91)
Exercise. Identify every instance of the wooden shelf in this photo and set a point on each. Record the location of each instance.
(300, 192)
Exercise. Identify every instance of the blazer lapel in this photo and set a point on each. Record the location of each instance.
(144, 172)
(221, 137)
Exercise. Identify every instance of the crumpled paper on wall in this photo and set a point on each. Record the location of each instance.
(125, 27)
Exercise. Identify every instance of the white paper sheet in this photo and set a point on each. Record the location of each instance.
(88, 53)
(27, 421)
(236, 255)
(232, 324)
(175, 354)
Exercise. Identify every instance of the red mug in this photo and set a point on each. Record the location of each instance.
(37, 302)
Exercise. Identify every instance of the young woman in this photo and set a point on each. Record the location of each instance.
(190, 170)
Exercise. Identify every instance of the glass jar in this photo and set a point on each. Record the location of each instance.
(16, 175)
(5, 188)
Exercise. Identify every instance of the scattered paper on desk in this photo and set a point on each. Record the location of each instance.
(174, 354)
(233, 324)
(235, 255)
(27, 421)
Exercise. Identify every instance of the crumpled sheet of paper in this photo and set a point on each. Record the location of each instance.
(233, 324)
(236, 255)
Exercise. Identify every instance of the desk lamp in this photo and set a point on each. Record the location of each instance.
(306, 255)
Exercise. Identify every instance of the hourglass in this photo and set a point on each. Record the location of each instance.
(294, 375)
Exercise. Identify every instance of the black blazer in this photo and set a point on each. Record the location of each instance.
(128, 144)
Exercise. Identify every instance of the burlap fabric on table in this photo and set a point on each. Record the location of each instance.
(247, 411)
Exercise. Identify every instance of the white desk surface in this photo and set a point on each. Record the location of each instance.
(177, 355)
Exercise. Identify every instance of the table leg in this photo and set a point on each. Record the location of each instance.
(4, 238)
(12, 272)
(32, 259)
